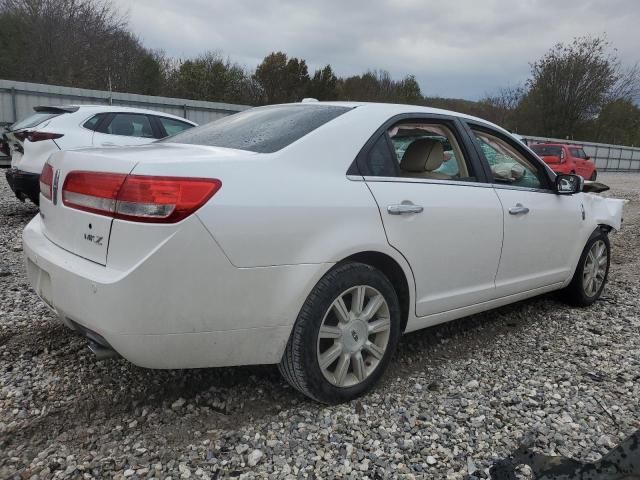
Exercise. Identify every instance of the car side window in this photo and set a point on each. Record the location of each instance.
(575, 152)
(172, 126)
(93, 122)
(380, 161)
(130, 125)
(419, 149)
(508, 165)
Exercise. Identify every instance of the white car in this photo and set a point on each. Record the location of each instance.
(295, 235)
(51, 129)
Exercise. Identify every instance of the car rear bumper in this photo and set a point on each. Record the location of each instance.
(24, 184)
(183, 306)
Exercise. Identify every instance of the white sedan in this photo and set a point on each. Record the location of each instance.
(307, 235)
(51, 129)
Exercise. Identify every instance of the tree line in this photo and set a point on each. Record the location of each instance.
(578, 90)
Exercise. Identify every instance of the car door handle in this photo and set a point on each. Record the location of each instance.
(404, 208)
(519, 209)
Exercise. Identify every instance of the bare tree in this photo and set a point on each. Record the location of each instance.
(502, 105)
(77, 43)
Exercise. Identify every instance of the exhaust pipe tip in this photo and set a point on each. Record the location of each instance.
(101, 352)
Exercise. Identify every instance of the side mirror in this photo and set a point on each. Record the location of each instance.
(568, 184)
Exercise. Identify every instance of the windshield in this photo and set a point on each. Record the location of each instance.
(33, 120)
(261, 130)
(547, 150)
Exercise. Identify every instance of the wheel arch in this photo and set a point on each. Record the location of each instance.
(396, 274)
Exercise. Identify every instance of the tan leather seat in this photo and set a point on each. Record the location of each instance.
(421, 159)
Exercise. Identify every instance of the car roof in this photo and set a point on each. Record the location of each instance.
(118, 108)
(392, 109)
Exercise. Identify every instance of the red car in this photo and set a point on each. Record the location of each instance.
(566, 159)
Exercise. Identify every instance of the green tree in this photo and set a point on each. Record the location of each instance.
(618, 123)
(210, 77)
(408, 91)
(323, 84)
(570, 84)
(282, 79)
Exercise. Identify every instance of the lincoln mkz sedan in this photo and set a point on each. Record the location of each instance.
(307, 235)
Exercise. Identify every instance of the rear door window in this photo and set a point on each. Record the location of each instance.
(263, 129)
(93, 122)
(128, 124)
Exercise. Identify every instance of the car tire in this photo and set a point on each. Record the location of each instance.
(364, 346)
(591, 273)
(593, 176)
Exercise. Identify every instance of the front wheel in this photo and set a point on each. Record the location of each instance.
(591, 273)
(594, 175)
(344, 336)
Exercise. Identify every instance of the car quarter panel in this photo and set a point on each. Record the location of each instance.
(297, 205)
(184, 296)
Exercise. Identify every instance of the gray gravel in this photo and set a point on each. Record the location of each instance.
(456, 398)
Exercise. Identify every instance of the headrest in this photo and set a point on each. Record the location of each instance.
(424, 154)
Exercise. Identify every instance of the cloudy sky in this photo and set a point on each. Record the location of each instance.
(455, 48)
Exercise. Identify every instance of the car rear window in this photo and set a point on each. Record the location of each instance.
(262, 129)
(33, 120)
(547, 150)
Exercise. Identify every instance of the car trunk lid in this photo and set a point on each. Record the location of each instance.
(84, 233)
(87, 233)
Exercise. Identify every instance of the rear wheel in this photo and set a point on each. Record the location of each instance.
(591, 273)
(344, 336)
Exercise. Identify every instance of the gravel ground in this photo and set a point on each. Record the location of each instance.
(455, 399)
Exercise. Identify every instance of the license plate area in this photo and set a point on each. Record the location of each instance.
(41, 281)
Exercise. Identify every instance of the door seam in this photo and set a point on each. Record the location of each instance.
(495, 278)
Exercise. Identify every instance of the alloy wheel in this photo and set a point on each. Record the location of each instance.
(353, 336)
(595, 268)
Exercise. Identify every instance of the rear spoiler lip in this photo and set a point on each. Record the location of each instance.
(50, 109)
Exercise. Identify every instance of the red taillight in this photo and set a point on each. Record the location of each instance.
(21, 135)
(137, 197)
(37, 136)
(92, 192)
(46, 180)
(40, 136)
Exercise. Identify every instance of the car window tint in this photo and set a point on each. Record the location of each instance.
(93, 122)
(173, 127)
(508, 166)
(131, 125)
(575, 152)
(380, 162)
(430, 151)
(582, 154)
(263, 129)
